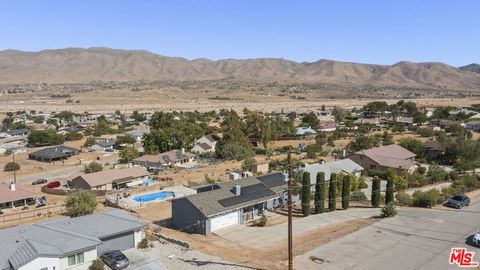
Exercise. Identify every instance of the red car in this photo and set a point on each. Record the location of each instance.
(54, 184)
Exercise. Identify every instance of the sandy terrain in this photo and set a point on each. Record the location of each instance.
(275, 256)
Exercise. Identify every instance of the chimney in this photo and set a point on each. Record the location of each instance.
(285, 177)
(183, 150)
(12, 186)
(237, 190)
(321, 161)
(344, 153)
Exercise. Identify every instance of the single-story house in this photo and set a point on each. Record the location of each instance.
(473, 125)
(54, 153)
(74, 129)
(385, 157)
(444, 123)
(14, 195)
(68, 243)
(14, 133)
(407, 121)
(367, 121)
(434, 149)
(346, 166)
(103, 145)
(328, 127)
(206, 144)
(228, 203)
(114, 179)
(305, 132)
(137, 134)
(164, 160)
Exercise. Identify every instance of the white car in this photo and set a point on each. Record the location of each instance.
(476, 238)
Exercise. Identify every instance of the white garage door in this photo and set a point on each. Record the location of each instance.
(223, 221)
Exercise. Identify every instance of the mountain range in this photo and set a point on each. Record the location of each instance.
(78, 65)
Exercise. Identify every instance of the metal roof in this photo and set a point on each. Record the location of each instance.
(61, 237)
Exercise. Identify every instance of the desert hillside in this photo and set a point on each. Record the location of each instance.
(77, 65)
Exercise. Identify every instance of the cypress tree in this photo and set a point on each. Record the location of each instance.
(332, 192)
(376, 192)
(346, 191)
(389, 192)
(320, 193)
(306, 194)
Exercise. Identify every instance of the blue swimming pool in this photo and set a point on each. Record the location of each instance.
(158, 196)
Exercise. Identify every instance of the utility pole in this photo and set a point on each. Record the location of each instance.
(290, 240)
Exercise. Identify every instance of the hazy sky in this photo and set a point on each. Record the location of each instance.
(383, 31)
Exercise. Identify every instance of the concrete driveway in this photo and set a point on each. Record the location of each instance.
(415, 239)
(142, 261)
(264, 236)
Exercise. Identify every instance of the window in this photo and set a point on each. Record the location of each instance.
(76, 259)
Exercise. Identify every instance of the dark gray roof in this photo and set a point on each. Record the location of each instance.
(55, 152)
(106, 143)
(248, 193)
(17, 132)
(273, 179)
(222, 199)
(61, 237)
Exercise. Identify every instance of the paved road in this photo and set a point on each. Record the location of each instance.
(51, 174)
(264, 236)
(414, 239)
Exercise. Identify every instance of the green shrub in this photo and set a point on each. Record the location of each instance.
(80, 203)
(358, 195)
(261, 222)
(426, 198)
(403, 198)
(400, 183)
(421, 170)
(361, 183)
(73, 136)
(143, 244)
(376, 192)
(97, 265)
(389, 210)
(332, 192)
(389, 193)
(346, 191)
(453, 175)
(11, 166)
(320, 193)
(306, 194)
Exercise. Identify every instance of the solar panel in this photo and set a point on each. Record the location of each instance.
(248, 193)
(273, 180)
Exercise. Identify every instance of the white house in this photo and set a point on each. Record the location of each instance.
(68, 243)
(103, 145)
(346, 166)
(206, 144)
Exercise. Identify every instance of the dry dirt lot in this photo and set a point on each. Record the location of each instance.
(272, 257)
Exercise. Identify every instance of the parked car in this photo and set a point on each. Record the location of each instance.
(42, 201)
(39, 181)
(458, 201)
(115, 259)
(476, 238)
(54, 184)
